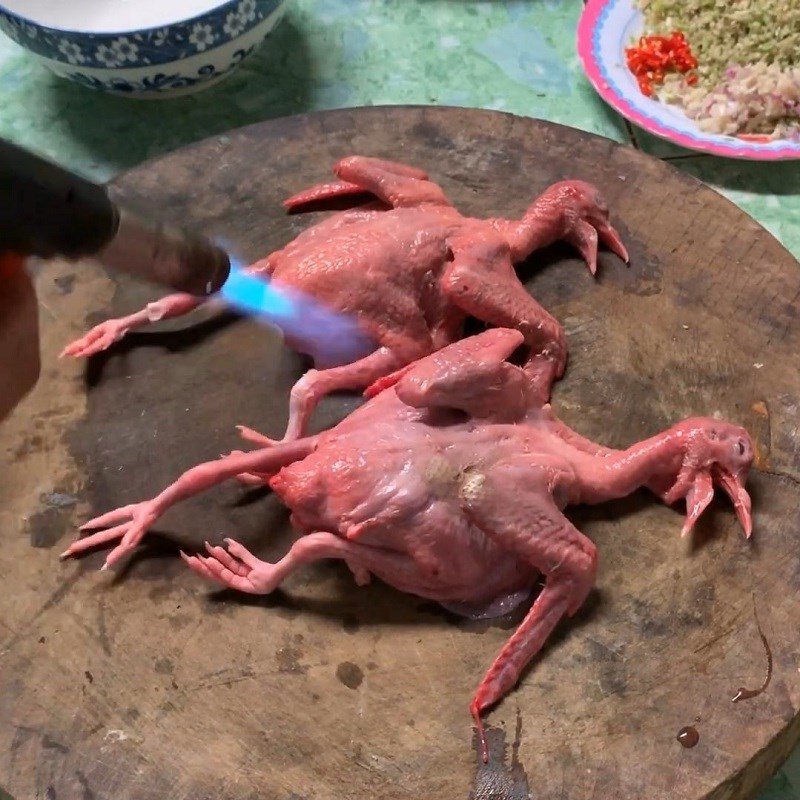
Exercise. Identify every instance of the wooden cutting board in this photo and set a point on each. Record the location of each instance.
(150, 686)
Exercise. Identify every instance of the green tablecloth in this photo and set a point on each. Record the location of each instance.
(516, 56)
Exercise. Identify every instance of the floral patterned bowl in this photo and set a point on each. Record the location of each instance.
(136, 49)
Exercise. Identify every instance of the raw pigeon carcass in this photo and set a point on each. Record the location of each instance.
(450, 483)
(411, 268)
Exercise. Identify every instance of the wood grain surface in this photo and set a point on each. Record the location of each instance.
(147, 685)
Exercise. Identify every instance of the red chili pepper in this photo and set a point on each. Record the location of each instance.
(654, 56)
(760, 138)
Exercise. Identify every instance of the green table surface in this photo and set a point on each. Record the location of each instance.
(517, 56)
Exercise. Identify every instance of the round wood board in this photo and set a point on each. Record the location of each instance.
(148, 685)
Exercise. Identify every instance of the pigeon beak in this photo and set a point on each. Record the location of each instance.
(698, 497)
(734, 487)
(611, 239)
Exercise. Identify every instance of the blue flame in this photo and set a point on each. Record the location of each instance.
(254, 296)
(329, 337)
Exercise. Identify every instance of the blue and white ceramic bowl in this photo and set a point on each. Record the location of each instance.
(141, 48)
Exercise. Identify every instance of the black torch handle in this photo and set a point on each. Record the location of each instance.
(48, 211)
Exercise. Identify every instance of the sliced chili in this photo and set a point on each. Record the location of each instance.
(759, 138)
(654, 56)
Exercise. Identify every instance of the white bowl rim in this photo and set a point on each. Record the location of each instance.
(214, 7)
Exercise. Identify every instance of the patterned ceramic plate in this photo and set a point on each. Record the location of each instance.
(605, 29)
